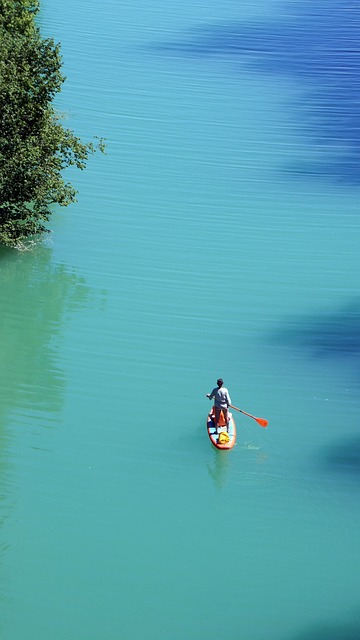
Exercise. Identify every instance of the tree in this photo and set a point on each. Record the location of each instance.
(35, 147)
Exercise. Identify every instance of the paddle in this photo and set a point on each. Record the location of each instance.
(261, 421)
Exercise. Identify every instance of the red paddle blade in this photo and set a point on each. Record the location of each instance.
(262, 422)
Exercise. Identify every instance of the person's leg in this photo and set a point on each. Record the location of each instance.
(217, 416)
(226, 418)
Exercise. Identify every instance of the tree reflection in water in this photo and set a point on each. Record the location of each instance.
(36, 297)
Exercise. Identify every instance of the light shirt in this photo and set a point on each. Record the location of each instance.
(222, 398)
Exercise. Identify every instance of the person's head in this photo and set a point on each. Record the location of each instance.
(220, 382)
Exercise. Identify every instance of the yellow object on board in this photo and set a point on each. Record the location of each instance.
(224, 437)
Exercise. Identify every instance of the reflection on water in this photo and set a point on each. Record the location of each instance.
(219, 468)
(36, 295)
(227, 466)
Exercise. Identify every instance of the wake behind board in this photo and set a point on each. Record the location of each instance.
(216, 436)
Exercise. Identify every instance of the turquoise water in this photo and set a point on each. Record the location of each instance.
(219, 236)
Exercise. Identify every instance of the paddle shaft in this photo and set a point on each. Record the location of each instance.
(261, 421)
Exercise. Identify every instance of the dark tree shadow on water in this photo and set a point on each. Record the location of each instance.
(343, 457)
(336, 338)
(347, 628)
(317, 44)
(335, 335)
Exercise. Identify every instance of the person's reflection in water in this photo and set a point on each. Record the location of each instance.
(219, 469)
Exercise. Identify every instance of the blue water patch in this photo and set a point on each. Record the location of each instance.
(317, 44)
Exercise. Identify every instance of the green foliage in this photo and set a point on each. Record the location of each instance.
(17, 16)
(35, 147)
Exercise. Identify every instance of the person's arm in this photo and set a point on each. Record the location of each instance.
(211, 395)
(228, 399)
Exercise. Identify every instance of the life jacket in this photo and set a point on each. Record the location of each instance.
(223, 438)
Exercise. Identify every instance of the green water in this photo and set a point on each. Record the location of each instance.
(191, 254)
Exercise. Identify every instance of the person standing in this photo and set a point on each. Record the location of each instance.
(221, 402)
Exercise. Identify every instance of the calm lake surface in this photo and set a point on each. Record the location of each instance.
(218, 237)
